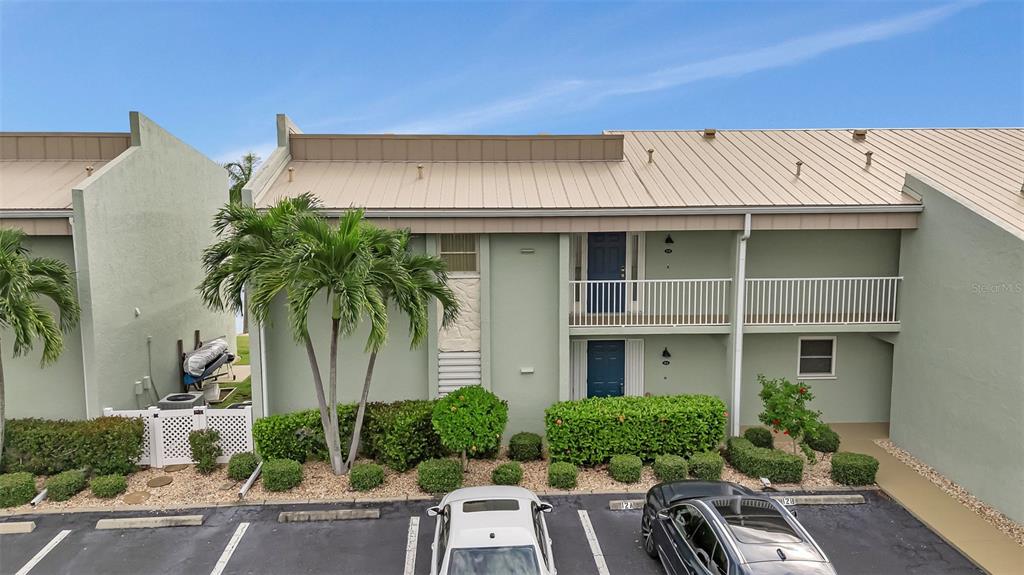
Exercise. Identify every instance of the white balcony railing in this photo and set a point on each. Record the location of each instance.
(798, 301)
(641, 303)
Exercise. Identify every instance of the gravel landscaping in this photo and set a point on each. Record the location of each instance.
(987, 512)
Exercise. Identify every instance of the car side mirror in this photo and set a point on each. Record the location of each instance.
(792, 512)
(434, 511)
(663, 516)
(545, 507)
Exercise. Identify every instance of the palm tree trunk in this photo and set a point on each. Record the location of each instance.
(362, 409)
(333, 445)
(333, 390)
(2, 405)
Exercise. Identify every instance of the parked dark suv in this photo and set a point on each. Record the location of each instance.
(720, 528)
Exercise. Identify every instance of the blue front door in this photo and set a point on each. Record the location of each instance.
(606, 260)
(606, 368)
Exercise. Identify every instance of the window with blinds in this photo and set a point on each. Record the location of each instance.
(460, 252)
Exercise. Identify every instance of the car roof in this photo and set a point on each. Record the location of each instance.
(490, 528)
(762, 551)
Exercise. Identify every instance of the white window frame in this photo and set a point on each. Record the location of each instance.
(799, 356)
(476, 252)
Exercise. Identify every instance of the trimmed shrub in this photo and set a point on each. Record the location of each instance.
(300, 435)
(401, 434)
(670, 467)
(707, 466)
(760, 437)
(590, 431)
(241, 465)
(854, 468)
(65, 485)
(510, 473)
(205, 449)
(777, 466)
(820, 437)
(525, 446)
(365, 476)
(48, 447)
(439, 475)
(281, 474)
(108, 486)
(562, 475)
(16, 488)
(470, 421)
(625, 468)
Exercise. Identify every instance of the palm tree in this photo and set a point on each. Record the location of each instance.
(24, 281)
(240, 172)
(333, 262)
(412, 282)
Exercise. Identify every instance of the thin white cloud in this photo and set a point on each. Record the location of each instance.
(583, 92)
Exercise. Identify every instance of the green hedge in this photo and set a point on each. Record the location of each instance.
(47, 447)
(625, 468)
(820, 437)
(777, 466)
(65, 485)
(241, 465)
(510, 473)
(108, 486)
(401, 434)
(562, 475)
(16, 488)
(439, 475)
(760, 437)
(365, 476)
(281, 474)
(670, 467)
(854, 468)
(299, 435)
(707, 466)
(525, 446)
(590, 431)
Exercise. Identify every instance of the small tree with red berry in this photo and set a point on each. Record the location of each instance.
(785, 407)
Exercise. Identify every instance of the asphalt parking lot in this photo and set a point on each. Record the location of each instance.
(878, 537)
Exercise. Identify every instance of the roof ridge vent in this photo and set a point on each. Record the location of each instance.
(709, 133)
(860, 134)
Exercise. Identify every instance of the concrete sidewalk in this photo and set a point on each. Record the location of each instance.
(987, 546)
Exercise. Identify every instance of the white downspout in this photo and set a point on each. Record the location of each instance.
(740, 312)
(265, 407)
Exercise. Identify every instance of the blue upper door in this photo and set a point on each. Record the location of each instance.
(606, 368)
(606, 260)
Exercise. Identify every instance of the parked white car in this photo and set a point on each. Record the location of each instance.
(487, 530)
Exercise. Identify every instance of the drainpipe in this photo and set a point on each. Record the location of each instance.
(265, 407)
(740, 312)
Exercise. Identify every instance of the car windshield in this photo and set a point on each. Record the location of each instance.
(756, 521)
(519, 560)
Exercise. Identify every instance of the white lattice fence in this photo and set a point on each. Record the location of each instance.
(165, 441)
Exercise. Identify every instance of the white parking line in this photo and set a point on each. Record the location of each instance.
(410, 545)
(230, 549)
(595, 547)
(42, 552)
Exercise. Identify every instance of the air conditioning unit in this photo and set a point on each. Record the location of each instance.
(182, 401)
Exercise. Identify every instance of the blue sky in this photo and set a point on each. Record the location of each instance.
(216, 73)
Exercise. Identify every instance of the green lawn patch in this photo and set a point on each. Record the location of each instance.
(242, 350)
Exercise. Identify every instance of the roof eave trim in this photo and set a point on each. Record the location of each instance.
(35, 214)
(606, 212)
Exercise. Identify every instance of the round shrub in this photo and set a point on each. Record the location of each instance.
(822, 438)
(777, 466)
(854, 468)
(562, 475)
(16, 488)
(365, 476)
(670, 467)
(241, 465)
(524, 446)
(281, 474)
(206, 449)
(470, 420)
(65, 485)
(625, 468)
(510, 473)
(760, 437)
(439, 475)
(108, 486)
(707, 465)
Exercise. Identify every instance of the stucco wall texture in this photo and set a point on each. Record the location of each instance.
(958, 369)
(141, 223)
(56, 391)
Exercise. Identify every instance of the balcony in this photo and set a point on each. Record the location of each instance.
(707, 304)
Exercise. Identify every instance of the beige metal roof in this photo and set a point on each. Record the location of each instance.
(38, 170)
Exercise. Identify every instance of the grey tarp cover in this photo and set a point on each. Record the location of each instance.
(197, 361)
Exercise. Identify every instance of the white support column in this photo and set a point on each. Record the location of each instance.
(564, 387)
(737, 336)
